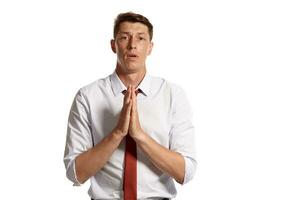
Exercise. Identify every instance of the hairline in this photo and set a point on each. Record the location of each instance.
(131, 17)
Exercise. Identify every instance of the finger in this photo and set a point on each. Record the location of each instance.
(130, 95)
(133, 100)
(125, 117)
(127, 100)
(127, 113)
(127, 96)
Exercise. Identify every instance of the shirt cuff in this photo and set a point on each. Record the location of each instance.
(190, 169)
(71, 174)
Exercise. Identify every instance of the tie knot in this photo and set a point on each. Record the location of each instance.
(136, 91)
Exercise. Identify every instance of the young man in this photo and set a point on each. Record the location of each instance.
(130, 133)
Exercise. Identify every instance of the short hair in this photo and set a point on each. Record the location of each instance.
(132, 17)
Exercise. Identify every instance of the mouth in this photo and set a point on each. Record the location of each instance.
(132, 56)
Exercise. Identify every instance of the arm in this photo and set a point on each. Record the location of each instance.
(168, 161)
(89, 162)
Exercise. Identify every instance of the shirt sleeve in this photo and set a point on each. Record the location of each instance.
(182, 135)
(79, 138)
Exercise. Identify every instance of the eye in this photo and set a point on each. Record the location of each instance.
(141, 38)
(123, 37)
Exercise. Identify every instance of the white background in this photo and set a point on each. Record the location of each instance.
(237, 60)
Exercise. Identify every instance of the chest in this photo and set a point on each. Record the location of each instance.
(154, 116)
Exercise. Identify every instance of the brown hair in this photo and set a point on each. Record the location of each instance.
(132, 17)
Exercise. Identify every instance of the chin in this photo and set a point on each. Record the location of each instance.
(132, 71)
(132, 68)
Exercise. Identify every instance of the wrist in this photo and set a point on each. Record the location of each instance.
(117, 134)
(140, 137)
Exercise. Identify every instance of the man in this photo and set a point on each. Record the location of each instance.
(130, 133)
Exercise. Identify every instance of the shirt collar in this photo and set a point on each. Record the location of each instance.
(116, 84)
(118, 87)
(144, 86)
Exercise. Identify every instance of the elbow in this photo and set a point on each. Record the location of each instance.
(80, 178)
(180, 180)
(180, 175)
(80, 175)
(73, 174)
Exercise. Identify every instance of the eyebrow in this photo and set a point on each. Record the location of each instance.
(125, 32)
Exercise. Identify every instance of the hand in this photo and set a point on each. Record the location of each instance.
(135, 130)
(124, 120)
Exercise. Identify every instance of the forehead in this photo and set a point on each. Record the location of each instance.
(133, 27)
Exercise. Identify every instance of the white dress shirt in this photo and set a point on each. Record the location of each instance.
(164, 114)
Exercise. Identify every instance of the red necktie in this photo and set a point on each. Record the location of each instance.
(130, 173)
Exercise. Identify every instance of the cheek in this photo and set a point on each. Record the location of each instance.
(120, 51)
(121, 47)
(147, 50)
(121, 57)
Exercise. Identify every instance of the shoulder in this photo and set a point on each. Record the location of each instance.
(94, 87)
(159, 84)
(173, 88)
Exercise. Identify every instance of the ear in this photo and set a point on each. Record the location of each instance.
(113, 45)
(150, 48)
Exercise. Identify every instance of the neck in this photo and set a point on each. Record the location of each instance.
(133, 78)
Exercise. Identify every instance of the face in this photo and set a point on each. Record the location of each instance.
(132, 46)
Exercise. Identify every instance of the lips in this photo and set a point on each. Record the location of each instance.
(132, 55)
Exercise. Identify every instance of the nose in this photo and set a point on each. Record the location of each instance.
(132, 43)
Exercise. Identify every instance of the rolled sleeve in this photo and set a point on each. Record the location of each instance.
(79, 137)
(182, 135)
(71, 173)
(190, 169)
